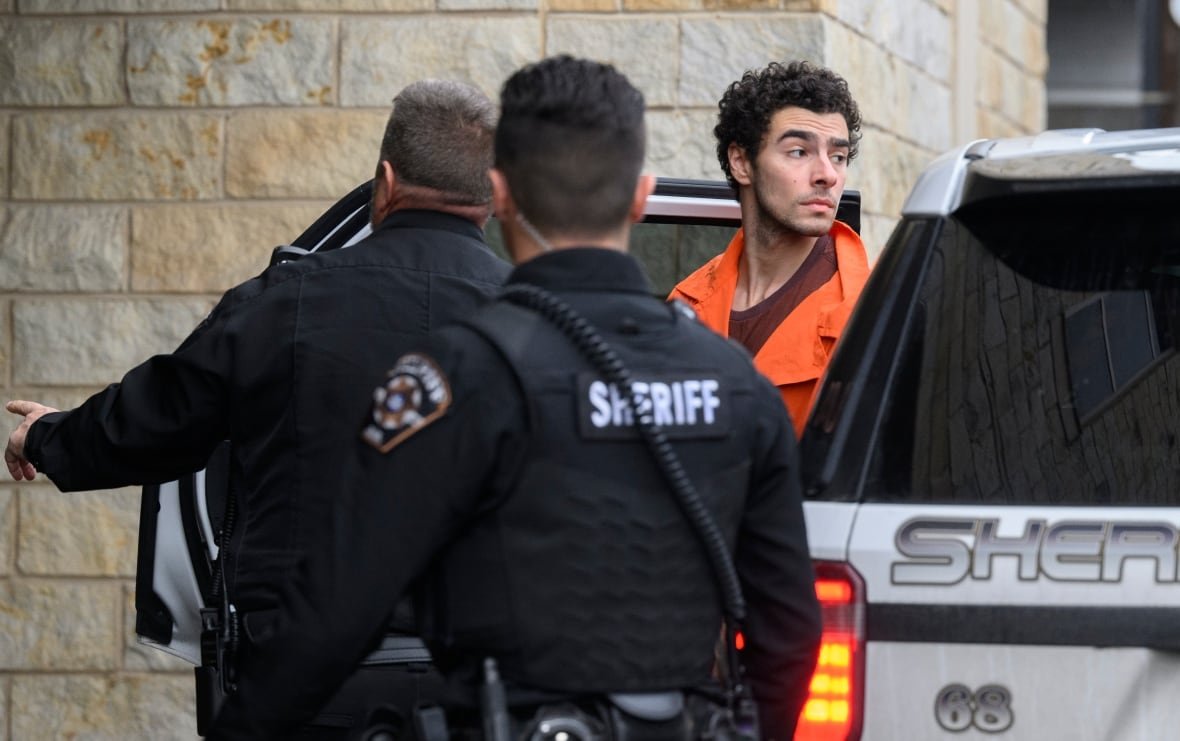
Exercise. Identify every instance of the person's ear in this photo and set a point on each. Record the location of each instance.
(643, 188)
(384, 184)
(502, 201)
(740, 166)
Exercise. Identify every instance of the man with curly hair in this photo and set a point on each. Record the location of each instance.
(787, 282)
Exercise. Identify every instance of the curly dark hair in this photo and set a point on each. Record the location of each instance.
(745, 110)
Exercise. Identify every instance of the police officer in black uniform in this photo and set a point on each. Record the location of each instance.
(275, 368)
(502, 478)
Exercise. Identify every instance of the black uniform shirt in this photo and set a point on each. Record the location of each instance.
(275, 368)
(458, 438)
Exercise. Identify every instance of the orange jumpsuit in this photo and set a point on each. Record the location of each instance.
(796, 354)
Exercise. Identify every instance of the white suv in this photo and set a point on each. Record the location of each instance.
(992, 465)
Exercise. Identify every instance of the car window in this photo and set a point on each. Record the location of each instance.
(1040, 362)
(669, 250)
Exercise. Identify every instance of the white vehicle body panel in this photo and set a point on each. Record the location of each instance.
(1108, 574)
(173, 577)
(829, 526)
(1058, 693)
(1055, 692)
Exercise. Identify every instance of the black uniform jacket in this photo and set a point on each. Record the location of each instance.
(275, 368)
(460, 443)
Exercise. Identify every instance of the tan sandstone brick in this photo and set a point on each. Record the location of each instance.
(874, 232)
(5, 343)
(628, 43)
(7, 529)
(4, 138)
(928, 110)
(700, 5)
(138, 656)
(681, 144)
(301, 154)
(886, 169)
(1034, 112)
(1013, 86)
(582, 6)
(5, 701)
(991, 22)
(1035, 47)
(716, 51)
(394, 6)
(243, 61)
(872, 76)
(853, 56)
(109, 708)
(464, 5)
(76, 342)
(927, 40)
(116, 156)
(991, 125)
(117, 6)
(62, 248)
(861, 14)
(1038, 9)
(1015, 22)
(58, 624)
(482, 51)
(56, 62)
(88, 533)
(991, 79)
(209, 248)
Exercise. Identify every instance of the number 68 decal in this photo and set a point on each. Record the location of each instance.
(957, 708)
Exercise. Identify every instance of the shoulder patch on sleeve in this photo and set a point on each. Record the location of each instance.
(416, 392)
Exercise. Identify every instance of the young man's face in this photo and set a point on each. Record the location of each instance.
(798, 175)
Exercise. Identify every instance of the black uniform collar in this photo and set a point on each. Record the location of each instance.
(584, 269)
(414, 218)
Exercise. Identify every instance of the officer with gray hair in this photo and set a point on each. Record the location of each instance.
(274, 369)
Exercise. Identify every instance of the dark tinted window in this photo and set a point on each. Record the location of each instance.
(1109, 341)
(668, 251)
(1027, 379)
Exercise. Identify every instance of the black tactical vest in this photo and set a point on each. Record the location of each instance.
(587, 577)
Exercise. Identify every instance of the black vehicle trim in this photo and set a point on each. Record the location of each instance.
(331, 220)
(686, 188)
(1064, 625)
(202, 569)
(153, 619)
(867, 352)
(847, 211)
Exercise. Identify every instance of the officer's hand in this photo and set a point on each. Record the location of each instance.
(14, 453)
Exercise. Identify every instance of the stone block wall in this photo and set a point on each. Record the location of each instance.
(152, 152)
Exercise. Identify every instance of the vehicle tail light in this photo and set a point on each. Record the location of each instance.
(834, 707)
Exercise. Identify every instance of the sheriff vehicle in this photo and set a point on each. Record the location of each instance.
(992, 465)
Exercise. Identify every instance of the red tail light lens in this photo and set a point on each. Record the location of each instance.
(834, 711)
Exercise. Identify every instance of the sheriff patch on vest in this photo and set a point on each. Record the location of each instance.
(683, 405)
(416, 392)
